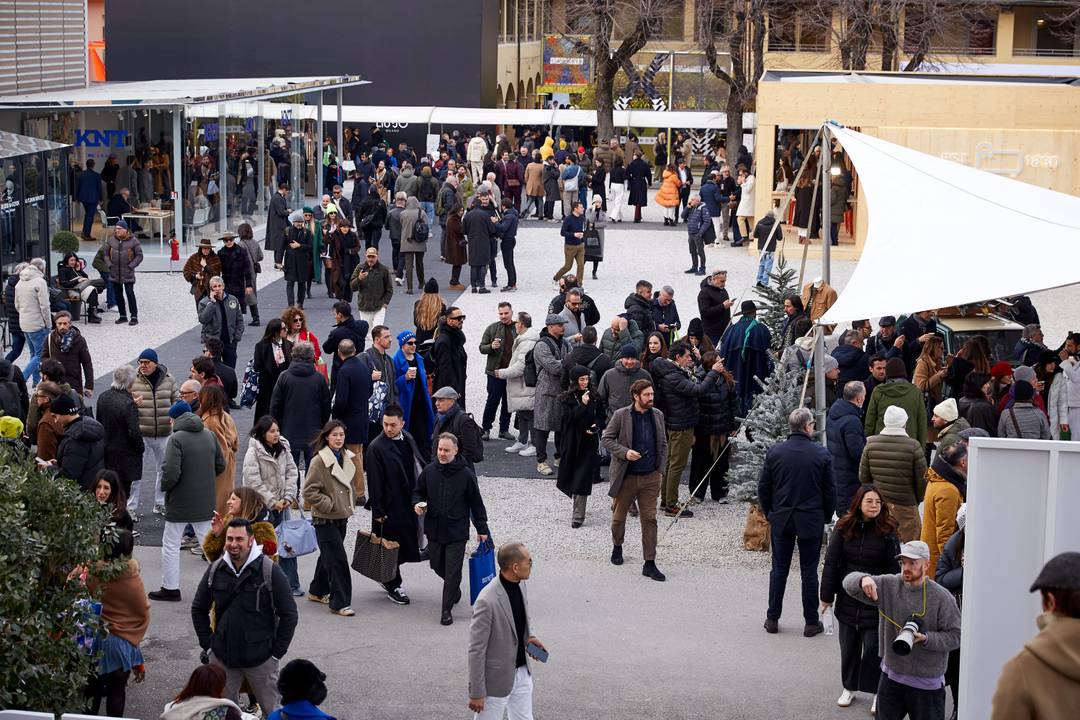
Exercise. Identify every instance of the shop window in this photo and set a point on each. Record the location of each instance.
(782, 35)
(33, 196)
(10, 213)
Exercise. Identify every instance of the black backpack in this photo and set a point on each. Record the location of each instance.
(421, 231)
(532, 372)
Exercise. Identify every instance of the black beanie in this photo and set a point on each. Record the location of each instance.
(1023, 392)
(431, 286)
(895, 368)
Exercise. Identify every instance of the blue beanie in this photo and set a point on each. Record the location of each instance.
(149, 354)
(179, 408)
(121, 223)
(627, 351)
(404, 336)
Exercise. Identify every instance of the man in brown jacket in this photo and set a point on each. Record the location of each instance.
(1042, 682)
(67, 346)
(637, 440)
(896, 464)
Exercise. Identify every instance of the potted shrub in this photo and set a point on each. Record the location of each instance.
(64, 242)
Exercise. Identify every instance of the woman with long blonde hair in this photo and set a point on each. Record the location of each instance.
(427, 311)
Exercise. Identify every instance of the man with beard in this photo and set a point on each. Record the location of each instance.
(393, 464)
(448, 354)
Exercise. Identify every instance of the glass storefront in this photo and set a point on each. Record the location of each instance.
(34, 199)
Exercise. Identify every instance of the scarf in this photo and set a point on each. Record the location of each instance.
(66, 339)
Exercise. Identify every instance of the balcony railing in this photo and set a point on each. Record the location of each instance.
(954, 50)
(1046, 52)
(775, 46)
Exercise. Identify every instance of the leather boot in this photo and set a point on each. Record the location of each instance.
(92, 316)
(254, 316)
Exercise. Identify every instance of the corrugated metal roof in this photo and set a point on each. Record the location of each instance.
(12, 144)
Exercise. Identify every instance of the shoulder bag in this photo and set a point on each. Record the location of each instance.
(375, 557)
(295, 537)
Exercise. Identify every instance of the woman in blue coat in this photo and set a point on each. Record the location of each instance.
(413, 395)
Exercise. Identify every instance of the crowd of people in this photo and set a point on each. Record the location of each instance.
(349, 422)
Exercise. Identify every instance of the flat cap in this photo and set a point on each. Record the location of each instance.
(446, 393)
(1061, 572)
(554, 319)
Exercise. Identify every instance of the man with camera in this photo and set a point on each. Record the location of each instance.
(919, 624)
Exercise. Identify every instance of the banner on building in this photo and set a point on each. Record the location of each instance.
(565, 69)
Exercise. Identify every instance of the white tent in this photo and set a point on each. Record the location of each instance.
(943, 234)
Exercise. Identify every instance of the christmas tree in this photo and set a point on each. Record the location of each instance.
(771, 306)
(766, 423)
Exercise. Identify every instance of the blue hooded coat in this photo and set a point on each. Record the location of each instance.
(426, 425)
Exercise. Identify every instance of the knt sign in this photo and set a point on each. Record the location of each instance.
(101, 138)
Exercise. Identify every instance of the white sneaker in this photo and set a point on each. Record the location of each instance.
(398, 281)
(873, 705)
(527, 451)
(544, 469)
(845, 698)
(516, 447)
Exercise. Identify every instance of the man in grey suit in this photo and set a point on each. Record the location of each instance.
(637, 441)
(500, 682)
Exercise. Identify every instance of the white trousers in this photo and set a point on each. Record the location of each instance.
(170, 550)
(515, 706)
(155, 451)
(719, 228)
(615, 200)
(477, 171)
(372, 318)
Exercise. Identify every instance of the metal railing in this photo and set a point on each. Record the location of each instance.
(1045, 52)
(775, 46)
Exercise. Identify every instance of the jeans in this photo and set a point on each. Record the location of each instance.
(508, 262)
(170, 550)
(18, 341)
(332, 572)
(896, 701)
(90, 210)
(287, 565)
(736, 236)
(524, 426)
(783, 545)
(515, 706)
(155, 450)
(446, 561)
(496, 399)
(476, 275)
(110, 291)
(764, 268)
(697, 250)
(129, 290)
(429, 208)
(36, 340)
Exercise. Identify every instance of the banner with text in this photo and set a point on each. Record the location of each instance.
(565, 69)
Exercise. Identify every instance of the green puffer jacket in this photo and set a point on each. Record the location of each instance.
(902, 394)
(193, 460)
(155, 401)
(896, 464)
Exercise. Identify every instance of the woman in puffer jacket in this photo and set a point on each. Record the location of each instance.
(269, 470)
(718, 408)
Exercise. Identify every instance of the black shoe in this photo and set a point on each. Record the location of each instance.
(165, 595)
(575, 524)
(133, 321)
(650, 570)
(673, 510)
(594, 277)
(447, 618)
(425, 554)
(233, 405)
(486, 436)
(121, 320)
(483, 291)
(616, 555)
(92, 318)
(772, 626)
(398, 596)
(255, 323)
(812, 630)
(691, 271)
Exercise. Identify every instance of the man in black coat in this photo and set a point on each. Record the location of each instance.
(301, 402)
(213, 348)
(916, 329)
(638, 307)
(854, 362)
(846, 442)
(293, 258)
(346, 328)
(588, 310)
(446, 495)
(797, 495)
(451, 418)
(237, 268)
(393, 463)
(277, 219)
(479, 227)
(255, 619)
(351, 398)
(449, 358)
(639, 177)
(714, 305)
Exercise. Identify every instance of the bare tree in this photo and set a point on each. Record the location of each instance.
(603, 21)
(736, 27)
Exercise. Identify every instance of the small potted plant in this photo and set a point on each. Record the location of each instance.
(64, 242)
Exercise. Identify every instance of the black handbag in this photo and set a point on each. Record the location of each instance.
(375, 557)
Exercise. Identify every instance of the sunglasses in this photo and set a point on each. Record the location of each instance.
(410, 342)
(457, 317)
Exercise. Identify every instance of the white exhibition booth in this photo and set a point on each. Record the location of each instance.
(943, 234)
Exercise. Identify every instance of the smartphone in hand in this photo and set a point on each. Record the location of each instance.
(538, 653)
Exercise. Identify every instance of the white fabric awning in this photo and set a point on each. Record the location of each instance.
(942, 234)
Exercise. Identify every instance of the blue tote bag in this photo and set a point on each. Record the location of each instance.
(481, 568)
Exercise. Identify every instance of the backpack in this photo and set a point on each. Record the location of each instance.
(421, 231)
(469, 425)
(10, 403)
(532, 371)
(267, 582)
(594, 379)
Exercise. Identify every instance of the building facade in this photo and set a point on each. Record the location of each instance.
(42, 45)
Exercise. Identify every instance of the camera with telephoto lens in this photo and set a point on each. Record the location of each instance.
(905, 639)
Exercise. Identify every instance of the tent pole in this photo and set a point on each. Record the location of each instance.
(819, 381)
(826, 207)
(319, 153)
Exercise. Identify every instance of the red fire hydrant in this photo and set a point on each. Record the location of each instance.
(174, 245)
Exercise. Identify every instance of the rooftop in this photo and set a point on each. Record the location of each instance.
(12, 145)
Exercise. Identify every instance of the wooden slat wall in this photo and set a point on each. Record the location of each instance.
(42, 45)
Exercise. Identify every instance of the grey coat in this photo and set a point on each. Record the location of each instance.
(618, 437)
(277, 221)
(210, 317)
(255, 252)
(409, 216)
(615, 385)
(1032, 422)
(549, 381)
(493, 642)
(122, 257)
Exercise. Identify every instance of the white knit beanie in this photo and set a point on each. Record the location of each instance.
(895, 417)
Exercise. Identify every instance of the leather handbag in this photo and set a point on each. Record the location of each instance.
(295, 537)
(757, 533)
(375, 557)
